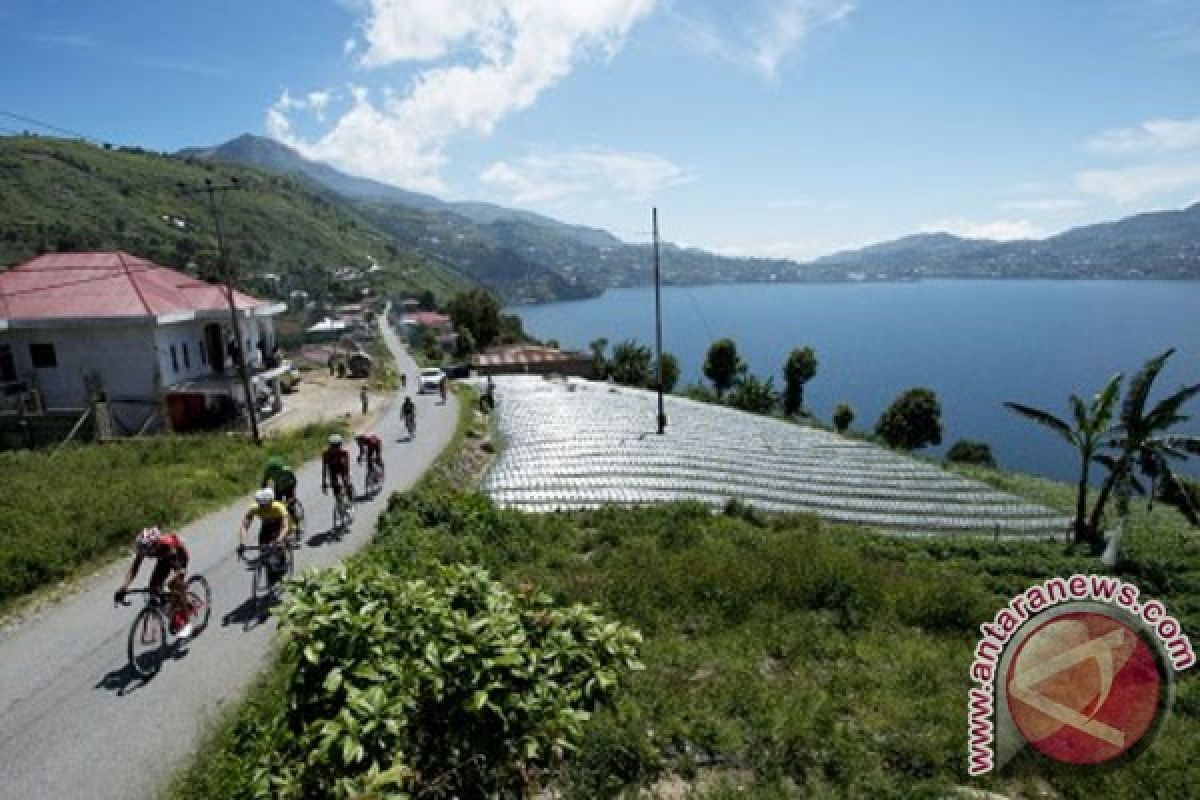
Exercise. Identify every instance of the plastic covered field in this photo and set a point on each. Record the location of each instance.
(583, 444)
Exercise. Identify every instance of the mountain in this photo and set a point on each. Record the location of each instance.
(1159, 244)
(528, 257)
(58, 194)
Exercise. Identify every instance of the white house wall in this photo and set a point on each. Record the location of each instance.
(121, 356)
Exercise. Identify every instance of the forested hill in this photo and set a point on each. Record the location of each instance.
(527, 256)
(1161, 244)
(58, 194)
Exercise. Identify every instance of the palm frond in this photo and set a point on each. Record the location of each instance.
(1045, 418)
(1080, 410)
(1102, 403)
(1175, 494)
(1107, 461)
(1166, 413)
(1139, 387)
(1181, 443)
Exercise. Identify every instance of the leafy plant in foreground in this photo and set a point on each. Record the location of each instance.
(451, 685)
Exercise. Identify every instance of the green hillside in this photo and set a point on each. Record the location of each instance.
(60, 195)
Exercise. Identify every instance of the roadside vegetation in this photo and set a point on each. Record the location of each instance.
(782, 657)
(66, 512)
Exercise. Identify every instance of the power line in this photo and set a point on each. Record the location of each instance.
(48, 126)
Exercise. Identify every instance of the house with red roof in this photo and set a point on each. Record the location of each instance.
(77, 327)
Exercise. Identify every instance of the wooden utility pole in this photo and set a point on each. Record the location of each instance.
(239, 353)
(662, 414)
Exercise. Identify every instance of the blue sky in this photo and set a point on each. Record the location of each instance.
(792, 127)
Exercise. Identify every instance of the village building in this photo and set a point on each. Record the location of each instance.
(527, 359)
(152, 346)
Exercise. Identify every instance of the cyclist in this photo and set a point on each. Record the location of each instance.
(370, 445)
(276, 522)
(409, 410)
(279, 476)
(170, 569)
(335, 467)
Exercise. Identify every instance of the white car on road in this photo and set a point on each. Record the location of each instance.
(429, 380)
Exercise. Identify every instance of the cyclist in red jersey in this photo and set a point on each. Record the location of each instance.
(335, 467)
(170, 569)
(370, 445)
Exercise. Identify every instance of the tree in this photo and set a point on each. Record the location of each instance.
(1144, 445)
(670, 372)
(912, 421)
(843, 415)
(631, 364)
(479, 312)
(754, 395)
(552, 344)
(1092, 429)
(967, 451)
(465, 345)
(800, 368)
(599, 362)
(723, 365)
(426, 301)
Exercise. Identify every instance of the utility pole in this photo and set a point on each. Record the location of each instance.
(662, 414)
(239, 353)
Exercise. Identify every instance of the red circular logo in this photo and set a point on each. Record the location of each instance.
(1084, 688)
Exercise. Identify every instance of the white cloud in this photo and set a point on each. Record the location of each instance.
(349, 46)
(549, 178)
(1042, 204)
(1133, 184)
(781, 27)
(318, 102)
(503, 54)
(1151, 136)
(797, 250)
(999, 230)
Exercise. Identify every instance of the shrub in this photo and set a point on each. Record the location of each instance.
(913, 420)
(966, 451)
(843, 416)
(453, 684)
(754, 395)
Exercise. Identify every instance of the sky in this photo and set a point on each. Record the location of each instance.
(786, 128)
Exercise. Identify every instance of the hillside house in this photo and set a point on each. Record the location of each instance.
(418, 324)
(155, 345)
(528, 359)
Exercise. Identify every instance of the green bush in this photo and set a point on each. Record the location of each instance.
(967, 451)
(61, 512)
(452, 683)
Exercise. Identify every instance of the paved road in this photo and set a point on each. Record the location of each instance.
(75, 722)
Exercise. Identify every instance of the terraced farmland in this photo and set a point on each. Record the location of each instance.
(584, 444)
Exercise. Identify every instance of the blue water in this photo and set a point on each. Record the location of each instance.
(976, 343)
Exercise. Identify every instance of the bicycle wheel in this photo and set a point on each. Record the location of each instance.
(200, 598)
(148, 642)
(260, 586)
(298, 510)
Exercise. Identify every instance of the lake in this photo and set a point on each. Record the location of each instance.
(976, 343)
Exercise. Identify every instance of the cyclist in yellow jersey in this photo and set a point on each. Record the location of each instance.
(276, 522)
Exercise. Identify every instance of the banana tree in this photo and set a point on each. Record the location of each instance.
(1144, 445)
(1093, 429)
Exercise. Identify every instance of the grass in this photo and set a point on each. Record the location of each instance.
(65, 513)
(784, 658)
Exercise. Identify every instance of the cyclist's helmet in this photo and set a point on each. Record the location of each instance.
(264, 497)
(274, 463)
(147, 539)
(335, 439)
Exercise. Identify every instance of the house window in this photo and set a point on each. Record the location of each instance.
(174, 360)
(203, 352)
(8, 365)
(43, 356)
(187, 358)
